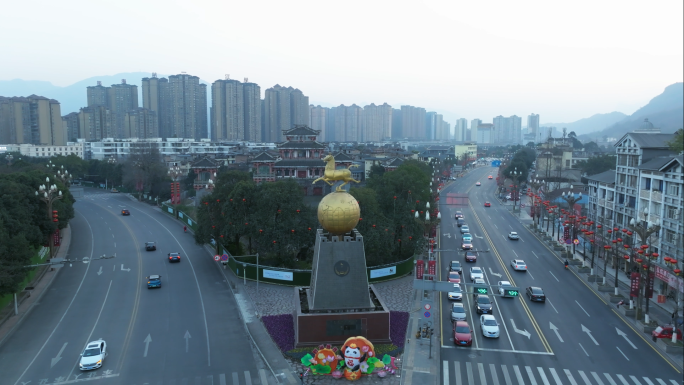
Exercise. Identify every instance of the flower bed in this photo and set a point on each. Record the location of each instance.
(281, 329)
(398, 325)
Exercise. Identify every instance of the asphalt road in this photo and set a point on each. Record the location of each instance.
(186, 332)
(576, 337)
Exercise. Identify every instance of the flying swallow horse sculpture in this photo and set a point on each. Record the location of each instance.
(331, 174)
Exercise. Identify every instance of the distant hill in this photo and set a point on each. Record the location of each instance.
(73, 97)
(591, 124)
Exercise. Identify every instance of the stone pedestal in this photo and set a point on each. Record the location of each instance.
(671, 348)
(606, 288)
(616, 298)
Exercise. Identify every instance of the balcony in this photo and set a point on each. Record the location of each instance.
(656, 196)
(645, 194)
(602, 202)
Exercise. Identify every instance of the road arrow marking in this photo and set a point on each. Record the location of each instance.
(523, 332)
(477, 236)
(100, 271)
(122, 268)
(187, 337)
(59, 355)
(493, 273)
(147, 344)
(621, 333)
(584, 329)
(555, 329)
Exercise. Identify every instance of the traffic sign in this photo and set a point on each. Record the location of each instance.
(217, 258)
(576, 241)
(427, 314)
(427, 306)
(224, 257)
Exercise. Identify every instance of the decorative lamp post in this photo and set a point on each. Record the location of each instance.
(49, 194)
(63, 176)
(570, 199)
(9, 158)
(644, 230)
(175, 173)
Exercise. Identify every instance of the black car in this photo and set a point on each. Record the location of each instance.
(150, 246)
(174, 257)
(536, 294)
(460, 222)
(458, 215)
(455, 266)
(125, 212)
(483, 305)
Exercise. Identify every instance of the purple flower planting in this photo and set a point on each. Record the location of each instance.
(281, 329)
(398, 324)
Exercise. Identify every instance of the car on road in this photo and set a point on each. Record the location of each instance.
(489, 177)
(460, 222)
(125, 212)
(519, 265)
(465, 229)
(462, 334)
(466, 245)
(487, 204)
(114, 190)
(456, 294)
(477, 184)
(470, 256)
(454, 277)
(489, 326)
(513, 236)
(476, 272)
(503, 285)
(467, 237)
(150, 246)
(479, 281)
(93, 355)
(154, 281)
(536, 294)
(174, 257)
(665, 331)
(455, 266)
(458, 312)
(459, 214)
(483, 305)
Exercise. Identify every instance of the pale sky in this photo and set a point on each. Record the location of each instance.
(471, 59)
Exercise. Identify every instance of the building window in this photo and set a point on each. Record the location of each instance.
(670, 236)
(672, 189)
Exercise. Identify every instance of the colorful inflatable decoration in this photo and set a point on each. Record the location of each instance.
(355, 360)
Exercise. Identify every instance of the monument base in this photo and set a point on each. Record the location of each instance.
(313, 328)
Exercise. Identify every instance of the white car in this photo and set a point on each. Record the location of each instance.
(518, 264)
(479, 281)
(458, 312)
(475, 273)
(502, 286)
(93, 355)
(513, 236)
(489, 326)
(456, 294)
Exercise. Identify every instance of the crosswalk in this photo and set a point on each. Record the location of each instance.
(469, 373)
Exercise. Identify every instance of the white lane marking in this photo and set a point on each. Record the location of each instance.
(597, 378)
(469, 373)
(445, 371)
(496, 226)
(501, 314)
(99, 271)
(648, 381)
(59, 355)
(555, 376)
(147, 341)
(554, 276)
(519, 331)
(222, 379)
(585, 312)
(543, 376)
(661, 382)
(518, 375)
(621, 333)
(549, 301)
(533, 253)
(624, 382)
(569, 375)
(585, 352)
(495, 378)
(586, 330)
(457, 372)
(584, 377)
(555, 329)
(94, 326)
(516, 254)
(507, 377)
(609, 378)
(480, 369)
(114, 268)
(533, 381)
(114, 244)
(92, 244)
(636, 381)
(530, 274)
(112, 235)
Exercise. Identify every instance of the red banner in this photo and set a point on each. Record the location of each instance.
(420, 269)
(56, 238)
(432, 268)
(634, 286)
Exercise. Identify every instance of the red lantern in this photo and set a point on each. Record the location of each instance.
(309, 228)
(655, 255)
(666, 259)
(626, 257)
(615, 229)
(610, 231)
(619, 239)
(400, 241)
(626, 246)
(598, 226)
(630, 233)
(639, 260)
(677, 271)
(591, 240)
(292, 231)
(614, 241)
(606, 247)
(395, 197)
(640, 252)
(644, 247)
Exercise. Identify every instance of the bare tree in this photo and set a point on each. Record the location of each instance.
(144, 168)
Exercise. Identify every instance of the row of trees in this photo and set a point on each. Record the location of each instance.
(274, 220)
(25, 223)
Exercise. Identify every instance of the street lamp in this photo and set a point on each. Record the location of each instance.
(9, 158)
(49, 194)
(645, 229)
(64, 176)
(570, 199)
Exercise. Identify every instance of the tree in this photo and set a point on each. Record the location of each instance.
(592, 147)
(530, 144)
(677, 142)
(144, 169)
(376, 171)
(597, 164)
(377, 242)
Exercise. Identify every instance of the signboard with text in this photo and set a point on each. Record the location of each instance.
(377, 273)
(432, 268)
(634, 285)
(420, 269)
(277, 274)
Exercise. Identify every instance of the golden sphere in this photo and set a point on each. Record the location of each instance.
(338, 212)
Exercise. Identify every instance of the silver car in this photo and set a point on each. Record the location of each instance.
(456, 294)
(519, 265)
(458, 312)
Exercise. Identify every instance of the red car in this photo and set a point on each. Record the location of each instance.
(665, 331)
(466, 245)
(471, 256)
(487, 204)
(462, 334)
(489, 177)
(454, 277)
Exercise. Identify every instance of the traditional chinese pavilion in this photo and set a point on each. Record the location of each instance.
(204, 169)
(299, 158)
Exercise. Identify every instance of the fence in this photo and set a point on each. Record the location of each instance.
(295, 277)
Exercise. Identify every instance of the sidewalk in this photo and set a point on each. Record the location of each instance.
(417, 366)
(27, 299)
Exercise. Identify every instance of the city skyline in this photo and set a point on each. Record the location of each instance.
(583, 72)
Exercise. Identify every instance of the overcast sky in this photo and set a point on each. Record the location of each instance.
(471, 59)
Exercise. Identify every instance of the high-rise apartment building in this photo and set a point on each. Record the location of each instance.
(95, 123)
(71, 126)
(98, 95)
(187, 107)
(397, 124)
(283, 108)
(460, 130)
(533, 124)
(377, 123)
(141, 123)
(474, 124)
(252, 111)
(441, 129)
(122, 98)
(155, 95)
(413, 122)
(31, 120)
(484, 133)
(235, 111)
(431, 125)
(348, 122)
(319, 121)
(507, 130)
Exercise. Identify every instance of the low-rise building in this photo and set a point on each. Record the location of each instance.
(46, 151)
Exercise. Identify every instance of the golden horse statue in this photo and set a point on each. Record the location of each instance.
(331, 174)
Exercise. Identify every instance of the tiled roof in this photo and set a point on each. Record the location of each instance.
(301, 130)
(301, 145)
(340, 156)
(603, 177)
(204, 163)
(299, 163)
(655, 163)
(265, 157)
(678, 158)
(395, 163)
(648, 140)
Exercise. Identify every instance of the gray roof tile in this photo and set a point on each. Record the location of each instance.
(603, 177)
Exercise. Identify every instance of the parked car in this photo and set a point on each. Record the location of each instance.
(665, 331)
(462, 334)
(150, 246)
(536, 294)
